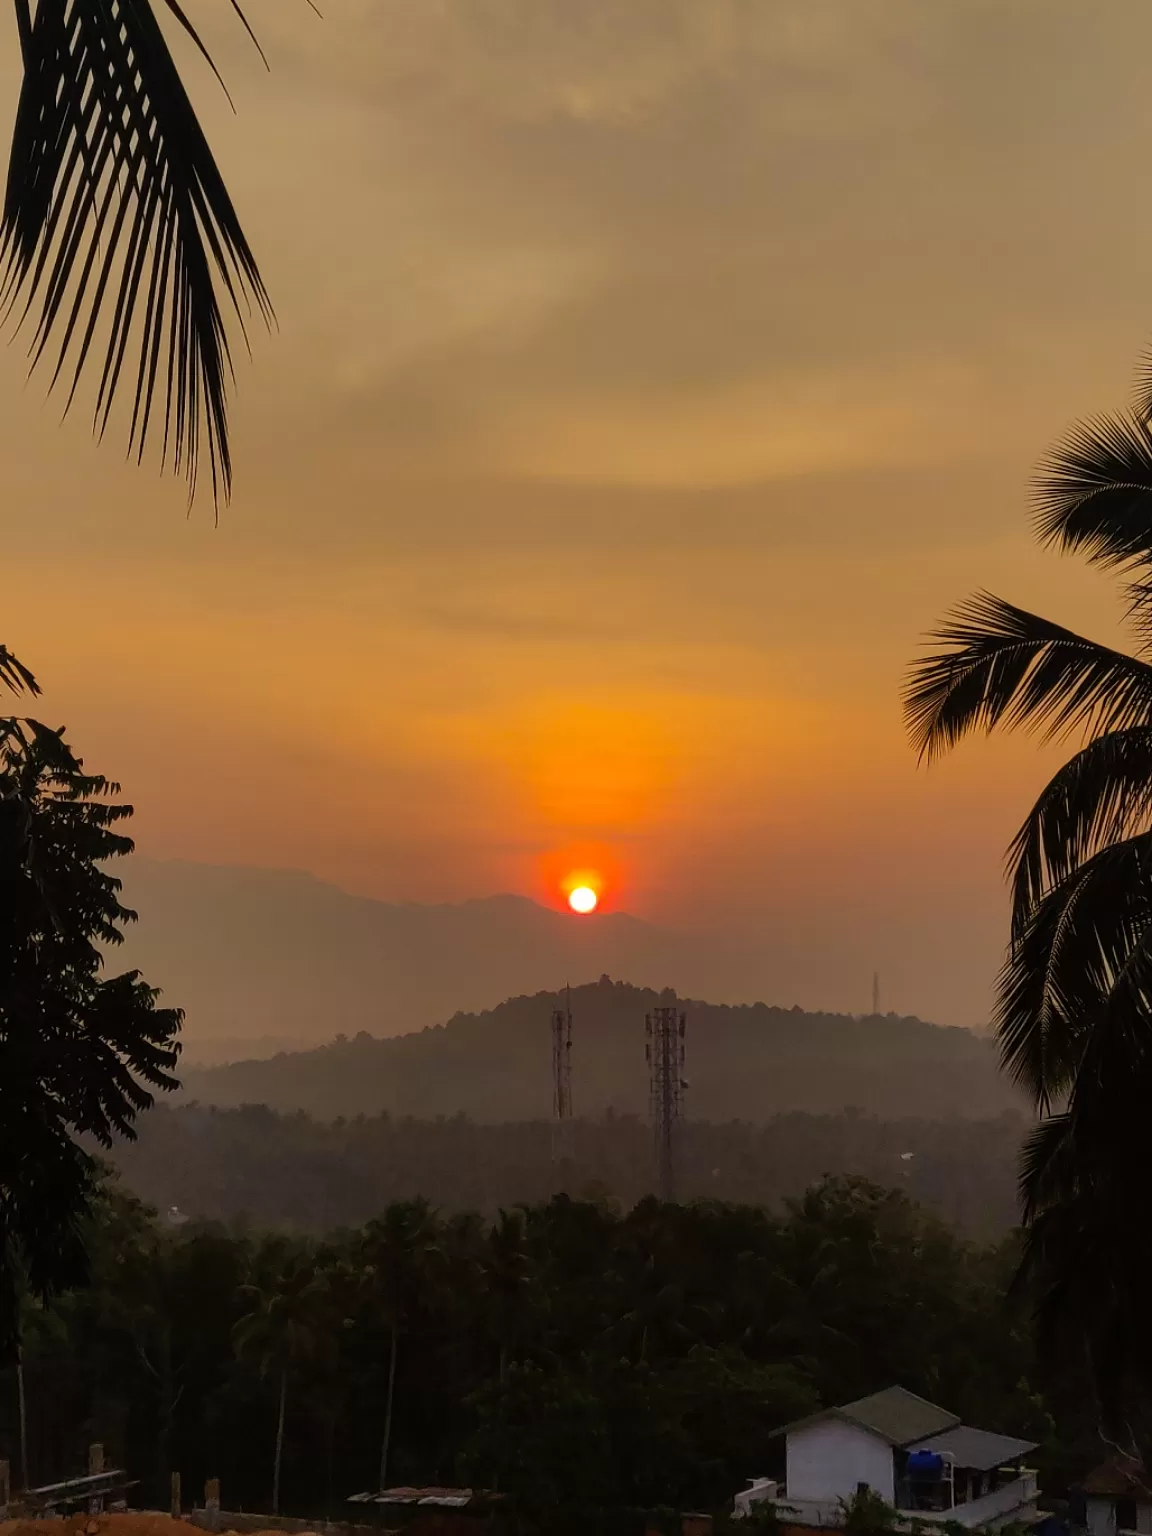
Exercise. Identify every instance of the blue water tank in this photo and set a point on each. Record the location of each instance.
(925, 1466)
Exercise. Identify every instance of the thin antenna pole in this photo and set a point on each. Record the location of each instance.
(664, 1050)
(568, 1047)
(562, 1129)
(876, 993)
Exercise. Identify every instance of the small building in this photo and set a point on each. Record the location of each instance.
(435, 1511)
(1116, 1497)
(917, 1457)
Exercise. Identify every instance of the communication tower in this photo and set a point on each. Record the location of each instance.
(664, 1051)
(876, 994)
(562, 1138)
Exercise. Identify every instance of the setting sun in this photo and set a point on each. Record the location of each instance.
(582, 899)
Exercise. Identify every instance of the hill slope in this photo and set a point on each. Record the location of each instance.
(746, 1062)
(261, 958)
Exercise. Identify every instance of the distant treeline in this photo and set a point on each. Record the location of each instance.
(290, 1170)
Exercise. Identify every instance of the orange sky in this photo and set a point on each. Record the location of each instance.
(650, 375)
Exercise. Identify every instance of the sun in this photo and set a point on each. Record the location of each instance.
(583, 899)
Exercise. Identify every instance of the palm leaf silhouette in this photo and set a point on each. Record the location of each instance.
(1100, 796)
(115, 211)
(1074, 1006)
(15, 675)
(1004, 666)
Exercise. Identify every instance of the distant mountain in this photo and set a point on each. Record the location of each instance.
(262, 959)
(745, 1062)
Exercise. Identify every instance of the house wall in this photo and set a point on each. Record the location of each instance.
(828, 1460)
(1011, 1505)
(1101, 1517)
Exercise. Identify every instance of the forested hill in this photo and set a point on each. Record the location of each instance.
(745, 1062)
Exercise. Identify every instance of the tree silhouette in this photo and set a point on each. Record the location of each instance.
(14, 675)
(115, 207)
(396, 1255)
(289, 1325)
(508, 1275)
(576, 1424)
(1073, 1007)
(78, 1052)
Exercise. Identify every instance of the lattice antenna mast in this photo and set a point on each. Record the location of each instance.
(876, 994)
(562, 1080)
(665, 1029)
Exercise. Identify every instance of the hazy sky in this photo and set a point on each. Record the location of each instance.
(650, 376)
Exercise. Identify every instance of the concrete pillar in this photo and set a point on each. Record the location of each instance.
(175, 1495)
(5, 1488)
(212, 1503)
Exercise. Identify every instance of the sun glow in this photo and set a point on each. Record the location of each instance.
(579, 877)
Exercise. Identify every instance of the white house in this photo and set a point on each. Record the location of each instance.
(917, 1457)
(1115, 1498)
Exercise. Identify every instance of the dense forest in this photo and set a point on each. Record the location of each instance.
(583, 1360)
(293, 1171)
(746, 1062)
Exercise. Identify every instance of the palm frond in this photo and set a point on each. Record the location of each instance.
(1065, 963)
(1005, 666)
(1086, 1252)
(1047, 1166)
(1102, 795)
(15, 675)
(1093, 493)
(1143, 390)
(115, 207)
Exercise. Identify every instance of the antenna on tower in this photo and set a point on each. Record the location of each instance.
(562, 1128)
(664, 1052)
(876, 994)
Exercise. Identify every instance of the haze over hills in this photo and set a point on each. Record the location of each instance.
(746, 1062)
(265, 959)
(290, 1170)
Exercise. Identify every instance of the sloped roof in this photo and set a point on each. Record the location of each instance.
(1120, 1477)
(896, 1415)
(448, 1498)
(977, 1449)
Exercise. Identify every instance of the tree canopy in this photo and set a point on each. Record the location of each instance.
(80, 1053)
(573, 1355)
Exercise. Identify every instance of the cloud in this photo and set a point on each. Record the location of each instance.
(684, 242)
(782, 429)
(604, 60)
(632, 354)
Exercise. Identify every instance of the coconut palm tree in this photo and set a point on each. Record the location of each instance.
(1075, 992)
(118, 233)
(289, 1325)
(399, 1253)
(508, 1281)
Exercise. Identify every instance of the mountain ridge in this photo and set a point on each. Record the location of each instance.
(284, 956)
